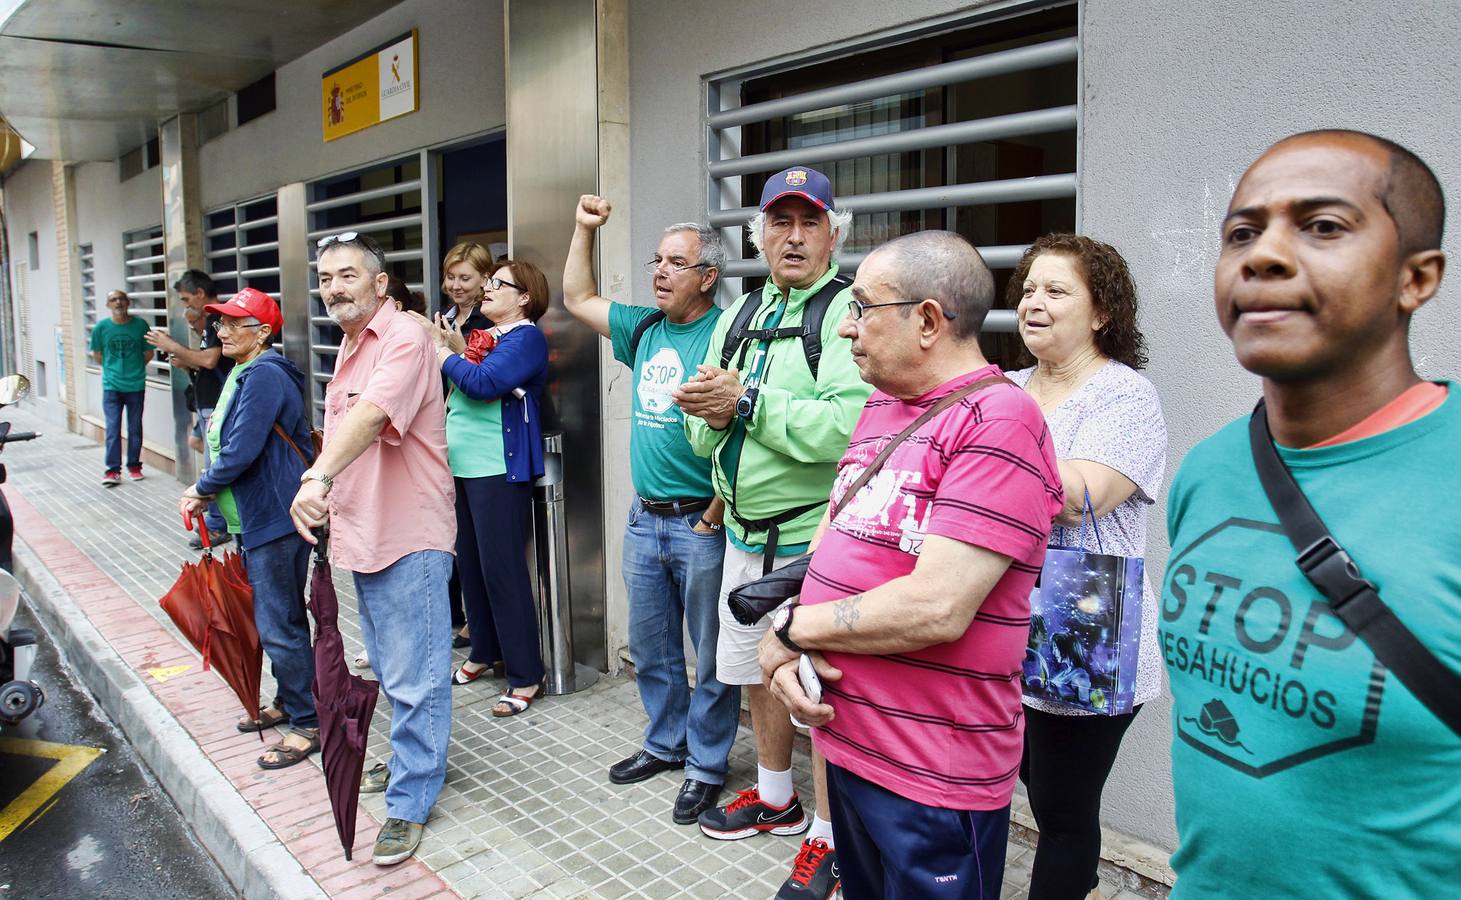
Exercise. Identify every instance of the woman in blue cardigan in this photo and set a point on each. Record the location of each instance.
(253, 476)
(495, 448)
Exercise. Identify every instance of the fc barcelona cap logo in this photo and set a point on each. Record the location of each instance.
(800, 181)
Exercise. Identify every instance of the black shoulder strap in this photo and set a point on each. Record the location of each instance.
(644, 325)
(737, 331)
(1354, 599)
(810, 329)
(812, 318)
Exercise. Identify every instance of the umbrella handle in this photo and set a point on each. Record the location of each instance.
(202, 530)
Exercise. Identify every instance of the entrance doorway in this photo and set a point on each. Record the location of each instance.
(473, 204)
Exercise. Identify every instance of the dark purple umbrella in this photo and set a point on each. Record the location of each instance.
(344, 702)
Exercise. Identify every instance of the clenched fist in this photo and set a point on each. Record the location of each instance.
(593, 211)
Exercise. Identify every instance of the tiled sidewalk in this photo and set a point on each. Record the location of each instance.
(527, 810)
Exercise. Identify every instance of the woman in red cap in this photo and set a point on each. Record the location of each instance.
(260, 441)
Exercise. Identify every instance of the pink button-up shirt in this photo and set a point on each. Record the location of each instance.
(397, 497)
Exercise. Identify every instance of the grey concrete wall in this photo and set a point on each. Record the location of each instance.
(1177, 100)
(461, 93)
(29, 208)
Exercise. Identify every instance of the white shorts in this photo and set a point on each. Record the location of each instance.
(735, 651)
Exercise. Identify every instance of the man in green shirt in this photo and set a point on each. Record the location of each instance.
(118, 345)
(774, 418)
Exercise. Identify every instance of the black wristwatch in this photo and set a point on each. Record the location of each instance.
(781, 626)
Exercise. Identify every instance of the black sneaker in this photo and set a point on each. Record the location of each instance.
(814, 874)
(748, 814)
(695, 797)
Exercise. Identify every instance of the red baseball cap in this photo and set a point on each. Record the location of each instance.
(247, 303)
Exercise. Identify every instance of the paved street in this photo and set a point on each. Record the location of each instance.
(527, 810)
(104, 831)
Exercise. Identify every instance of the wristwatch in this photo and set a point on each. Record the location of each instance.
(311, 475)
(781, 626)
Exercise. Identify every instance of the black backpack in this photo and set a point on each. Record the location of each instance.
(810, 329)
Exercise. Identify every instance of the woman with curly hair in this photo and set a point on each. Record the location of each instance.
(1076, 304)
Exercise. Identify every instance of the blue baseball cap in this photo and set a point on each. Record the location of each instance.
(798, 181)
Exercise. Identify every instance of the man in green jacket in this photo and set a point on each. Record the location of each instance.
(774, 418)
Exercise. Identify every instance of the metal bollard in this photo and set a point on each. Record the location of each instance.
(555, 606)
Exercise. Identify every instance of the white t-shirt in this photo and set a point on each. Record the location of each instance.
(1115, 419)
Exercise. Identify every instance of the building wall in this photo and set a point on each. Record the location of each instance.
(461, 58)
(1167, 120)
(29, 208)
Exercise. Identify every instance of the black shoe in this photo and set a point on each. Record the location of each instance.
(640, 766)
(215, 538)
(748, 814)
(695, 798)
(814, 873)
(458, 641)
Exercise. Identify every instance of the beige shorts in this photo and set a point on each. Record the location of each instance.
(735, 651)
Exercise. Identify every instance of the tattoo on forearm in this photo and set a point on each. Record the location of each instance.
(845, 612)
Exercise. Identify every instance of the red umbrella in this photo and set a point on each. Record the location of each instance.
(345, 703)
(213, 606)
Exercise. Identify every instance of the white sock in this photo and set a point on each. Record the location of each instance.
(821, 828)
(775, 787)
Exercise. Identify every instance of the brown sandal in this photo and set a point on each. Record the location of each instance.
(268, 718)
(286, 756)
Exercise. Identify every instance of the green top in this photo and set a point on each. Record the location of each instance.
(474, 436)
(123, 367)
(798, 430)
(661, 462)
(226, 505)
(1300, 765)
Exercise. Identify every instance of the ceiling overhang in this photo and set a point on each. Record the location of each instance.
(91, 79)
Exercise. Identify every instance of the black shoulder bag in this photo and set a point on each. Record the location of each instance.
(749, 602)
(1353, 598)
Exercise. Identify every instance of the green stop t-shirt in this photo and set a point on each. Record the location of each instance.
(123, 367)
(661, 461)
(474, 447)
(1301, 766)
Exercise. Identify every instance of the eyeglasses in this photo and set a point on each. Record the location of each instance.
(675, 267)
(343, 237)
(858, 309)
(498, 284)
(220, 326)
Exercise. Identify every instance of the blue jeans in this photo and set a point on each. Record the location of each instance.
(277, 572)
(112, 404)
(407, 630)
(893, 848)
(212, 518)
(673, 575)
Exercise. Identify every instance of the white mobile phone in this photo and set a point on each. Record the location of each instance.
(806, 673)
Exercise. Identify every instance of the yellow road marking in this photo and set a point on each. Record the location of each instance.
(163, 674)
(70, 761)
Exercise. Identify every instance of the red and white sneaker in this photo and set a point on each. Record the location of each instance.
(112, 478)
(814, 874)
(135, 473)
(748, 814)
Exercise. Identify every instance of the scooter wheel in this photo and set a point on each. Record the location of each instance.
(19, 699)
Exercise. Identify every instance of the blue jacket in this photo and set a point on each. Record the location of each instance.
(520, 359)
(261, 469)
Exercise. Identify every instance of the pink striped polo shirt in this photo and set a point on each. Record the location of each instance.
(943, 725)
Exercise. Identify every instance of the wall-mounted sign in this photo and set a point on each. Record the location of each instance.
(379, 84)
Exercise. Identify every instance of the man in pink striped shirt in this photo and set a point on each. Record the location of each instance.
(382, 481)
(916, 605)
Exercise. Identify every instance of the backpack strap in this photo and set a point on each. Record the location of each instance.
(1352, 597)
(735, 336)
(638, 334)
(810, 329)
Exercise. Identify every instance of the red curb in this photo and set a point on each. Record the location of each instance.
(196, 700)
